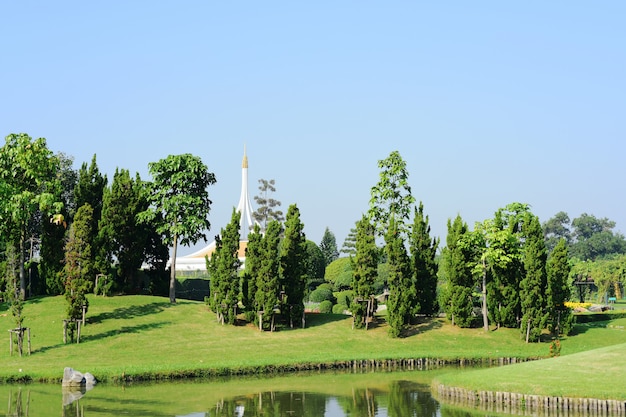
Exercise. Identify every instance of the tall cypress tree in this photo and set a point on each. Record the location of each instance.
(401, 289)
(223, 272)
(251, 273)
(268, 288)
(456, 267)
(558, 293)
(293, 265)
(534, 285)
(365, 270)
(423, 251)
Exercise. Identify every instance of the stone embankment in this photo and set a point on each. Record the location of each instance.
(524, 404)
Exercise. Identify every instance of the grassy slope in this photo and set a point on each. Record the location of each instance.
(141, 334)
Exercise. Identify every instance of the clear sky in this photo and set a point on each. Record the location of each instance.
(488, 102)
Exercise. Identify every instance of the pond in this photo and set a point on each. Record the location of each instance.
(328, 394)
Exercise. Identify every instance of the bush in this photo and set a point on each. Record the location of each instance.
(340, 309)
(344, 297)
(326, 307)
(321, 294)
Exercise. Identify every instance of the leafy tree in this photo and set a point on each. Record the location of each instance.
(268, 286)
(51, 248)
(328, 246)
(223, 270)
(180, 203)
(349, 244)
(365, 270)
(557, 228)
(558, 291)
(12, 295)
(314, 264)
(594, 238)
(391, 196)
(534, 285)
(78, 265)
(266, 210)
(401, 289)
(456, 267)
(293, 259)
(28, 184)
(423, 250)
(339, 274)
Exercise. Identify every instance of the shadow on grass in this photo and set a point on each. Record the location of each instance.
(320, 319)
(130, 312)
(422, 325)
(110, 333)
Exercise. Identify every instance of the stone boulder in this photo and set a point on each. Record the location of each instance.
(73, 378)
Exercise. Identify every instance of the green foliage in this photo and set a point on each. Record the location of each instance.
(223, 269)
(250, 276)
(293, 260)
(365, 270)
(179, 203)
(423, 250)
(391, 196)
(349, 243)
(456, 267)
(314, 262)
(340, 309)
(338, 272)
(344, 297)
(267, 206)
(401, 289)
(267, 284)
(28, 184)
(11, 293)
(326, 307)
(328, 246)
(533, 287)
(320, 294)
(558, 291)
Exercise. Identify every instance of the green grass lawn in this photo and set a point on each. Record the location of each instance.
(144, 335)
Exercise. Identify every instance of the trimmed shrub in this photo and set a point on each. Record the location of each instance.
(326, 307)
(321, 294)
(340, 309)
(344, 297)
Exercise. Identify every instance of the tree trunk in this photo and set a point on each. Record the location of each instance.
(485, 317)
(173, 272)
(21, 269)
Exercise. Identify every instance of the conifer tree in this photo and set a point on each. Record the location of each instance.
(292, 266)
(78, 267)
(534, 285)
(365, 270)
(267, 207)
(401, 289)
(423, 251)
(349, 243)
(268, 286)
(223, 272)
(328, 246)
(254, 257)
(457, 302)
(558, 269)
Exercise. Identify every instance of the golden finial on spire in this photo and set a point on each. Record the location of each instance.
(244, 164)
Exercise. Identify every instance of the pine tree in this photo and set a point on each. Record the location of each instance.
(365, 270)
(223, 272)
(558, 269)
(401, 290)
(268, 290)
(349, 244)
(328, 246)
(423, 251)
(457, 302)
(292, 266)
(534, 285)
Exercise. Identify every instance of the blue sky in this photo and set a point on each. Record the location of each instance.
(487, 102)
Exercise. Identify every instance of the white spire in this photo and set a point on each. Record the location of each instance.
(244, 207)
